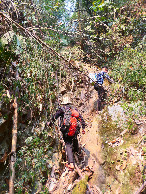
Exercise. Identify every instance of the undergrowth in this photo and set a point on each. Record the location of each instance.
(33, 162)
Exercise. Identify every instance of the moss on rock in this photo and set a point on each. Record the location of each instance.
(81, 186)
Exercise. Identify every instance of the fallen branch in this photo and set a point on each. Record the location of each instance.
(125, 131)
(141, 188)
(119, 139)
(140, 140)
(80, 174)
(116, 142)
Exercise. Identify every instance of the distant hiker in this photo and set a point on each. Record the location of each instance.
(102, 93)
(71, 122)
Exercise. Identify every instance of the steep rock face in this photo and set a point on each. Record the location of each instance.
(113, 163)
(84, 97)
(93, 149)
(112, 152)
(117, 114)
(122, 150)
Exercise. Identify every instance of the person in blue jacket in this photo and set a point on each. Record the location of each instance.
(102, 93)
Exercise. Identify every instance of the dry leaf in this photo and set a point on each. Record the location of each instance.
(118, 167)
(123, 166)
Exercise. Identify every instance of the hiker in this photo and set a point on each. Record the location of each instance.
(71, 122)
(102, 93)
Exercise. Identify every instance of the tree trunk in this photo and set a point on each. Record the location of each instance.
(13, 149)
(79, 18)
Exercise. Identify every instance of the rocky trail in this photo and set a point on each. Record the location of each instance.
(111, 160)
(88, 166)
(89, 174)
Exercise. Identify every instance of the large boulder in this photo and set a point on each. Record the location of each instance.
(117, 114)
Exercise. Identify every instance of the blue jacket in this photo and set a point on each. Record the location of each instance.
(100, 77)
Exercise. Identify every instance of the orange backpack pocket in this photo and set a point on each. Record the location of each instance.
(74, 113)
(72, 128)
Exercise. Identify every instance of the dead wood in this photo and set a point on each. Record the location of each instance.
(80, 174)
(4, 158)
(65, 182)
(13, 149)
(123, 132)
(78, 171)
(141, 188)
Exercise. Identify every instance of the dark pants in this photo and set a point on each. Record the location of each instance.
(102, 95)
(71, 144)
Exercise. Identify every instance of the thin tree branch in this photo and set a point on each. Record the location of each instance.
(80, 174)
(141, 188)
(13, 149)
(91, 18)
(44, 44)
(14, 137)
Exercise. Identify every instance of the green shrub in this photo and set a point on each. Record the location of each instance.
(129, 71)
(31, 162)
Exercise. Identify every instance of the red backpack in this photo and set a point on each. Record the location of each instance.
(71, 117)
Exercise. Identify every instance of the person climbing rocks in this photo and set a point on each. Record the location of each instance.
(71, 122)
(98, 86)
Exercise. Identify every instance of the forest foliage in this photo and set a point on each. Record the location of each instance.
(108, 32)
